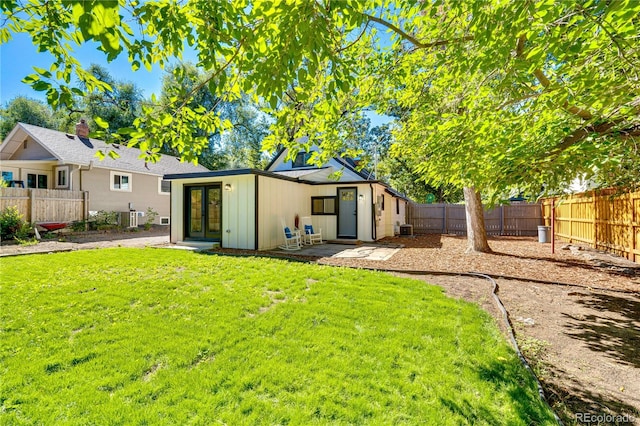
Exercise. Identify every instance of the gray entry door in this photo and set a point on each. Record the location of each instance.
(347, 213)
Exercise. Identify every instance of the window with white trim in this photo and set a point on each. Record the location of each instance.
(164, 221)
(121, 181)
(62, 177)
(164, 186)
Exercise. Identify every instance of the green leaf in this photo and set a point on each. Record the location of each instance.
(101, 123)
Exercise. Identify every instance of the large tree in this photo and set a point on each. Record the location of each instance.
(493, 94)
(25, 110)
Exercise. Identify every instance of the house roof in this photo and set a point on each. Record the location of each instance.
(342, 162)
(71, 149)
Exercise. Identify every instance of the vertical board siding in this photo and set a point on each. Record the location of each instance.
(605, 221)
(516, 219)
(45, 205)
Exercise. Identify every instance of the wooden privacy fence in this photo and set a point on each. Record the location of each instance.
(604, 220)
(515, 219)
(46, 205)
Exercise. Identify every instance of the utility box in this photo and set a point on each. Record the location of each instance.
(406, 230)
(129, 219)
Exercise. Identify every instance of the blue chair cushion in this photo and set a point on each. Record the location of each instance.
(308, 229)
(287, 232)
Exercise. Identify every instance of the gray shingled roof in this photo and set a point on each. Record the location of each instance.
(71, 149)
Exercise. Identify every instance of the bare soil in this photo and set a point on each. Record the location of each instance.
(577, 322)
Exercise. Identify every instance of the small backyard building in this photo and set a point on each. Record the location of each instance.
(245, 208)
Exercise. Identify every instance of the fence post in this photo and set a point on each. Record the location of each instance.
(445, 227)
(502, 220)
(85, 209)
(595, 220)
(32, 206)
(632, 236)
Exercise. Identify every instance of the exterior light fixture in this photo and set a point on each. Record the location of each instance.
(227, 187)
(361, 197)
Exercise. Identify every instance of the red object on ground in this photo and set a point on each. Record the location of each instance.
(53, 226)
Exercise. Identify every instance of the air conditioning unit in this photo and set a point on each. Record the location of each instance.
(129, 219)
(406, 230)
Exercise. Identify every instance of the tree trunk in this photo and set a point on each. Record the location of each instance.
(476, 234)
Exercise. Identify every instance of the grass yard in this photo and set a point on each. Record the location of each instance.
(150, 336)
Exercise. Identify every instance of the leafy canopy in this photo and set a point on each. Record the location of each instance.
(491, 94)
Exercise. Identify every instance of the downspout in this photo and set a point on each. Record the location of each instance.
(373, 215)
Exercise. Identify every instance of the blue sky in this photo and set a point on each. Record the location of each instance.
(19, 56)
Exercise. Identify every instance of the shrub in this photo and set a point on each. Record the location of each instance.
(10, 223)
(151, 217)
(78, 226)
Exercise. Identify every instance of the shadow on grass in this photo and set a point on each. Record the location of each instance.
(523, 397)
(611, 326)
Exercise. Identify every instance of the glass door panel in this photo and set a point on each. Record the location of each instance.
(214, 212)
(194, 212)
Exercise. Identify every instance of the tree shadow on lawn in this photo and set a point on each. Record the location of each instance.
(522, 396)
(613, 329)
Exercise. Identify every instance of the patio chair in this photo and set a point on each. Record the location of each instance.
(311, 236)
(292, 240)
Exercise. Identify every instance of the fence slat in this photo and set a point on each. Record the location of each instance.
(45, 205)
(605, 220)
(515, 220)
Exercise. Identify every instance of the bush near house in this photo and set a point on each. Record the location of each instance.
(150, 336)
(12, 224)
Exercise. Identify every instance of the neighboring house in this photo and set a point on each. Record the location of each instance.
(35, 157)
(245, 208)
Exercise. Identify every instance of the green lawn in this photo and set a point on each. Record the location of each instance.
(152, 336)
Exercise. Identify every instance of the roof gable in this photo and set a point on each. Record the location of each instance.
(71, 149)
(349, 173)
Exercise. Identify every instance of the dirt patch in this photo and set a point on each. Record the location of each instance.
(513, 256)
(68, 241)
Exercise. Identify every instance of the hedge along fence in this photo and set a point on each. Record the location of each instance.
(46, 205)
(605, 220)
(515, 219)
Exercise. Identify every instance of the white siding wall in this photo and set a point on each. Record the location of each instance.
(238, 212)
(329, 224)
(279, 199)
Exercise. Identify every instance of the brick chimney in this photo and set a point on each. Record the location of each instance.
(82, 129)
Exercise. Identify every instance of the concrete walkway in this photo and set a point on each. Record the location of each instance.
(369, 251)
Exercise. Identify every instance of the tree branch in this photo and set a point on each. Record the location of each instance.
(411, 38)
(546, 83)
